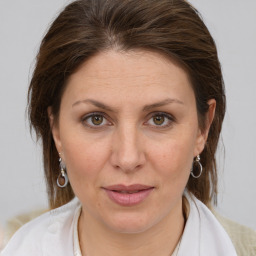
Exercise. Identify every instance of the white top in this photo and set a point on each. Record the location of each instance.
(55, 233)
(77, 250)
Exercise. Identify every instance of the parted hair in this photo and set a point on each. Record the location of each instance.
(86, 27)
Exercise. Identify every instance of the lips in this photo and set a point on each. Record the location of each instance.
(131, 188)
(128, 195)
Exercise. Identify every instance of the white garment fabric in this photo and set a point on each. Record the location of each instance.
(77, 250)
(55, 233)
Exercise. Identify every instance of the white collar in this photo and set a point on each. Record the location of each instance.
(203, 234)
(53, 233)
(77, 250)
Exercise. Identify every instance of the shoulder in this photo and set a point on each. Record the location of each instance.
(243, 238)
(42, 235)
(209, 237)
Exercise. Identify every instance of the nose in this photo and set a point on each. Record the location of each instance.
(127, 149)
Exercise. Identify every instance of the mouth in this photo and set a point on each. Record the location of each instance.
(128, 195)
(127, 192)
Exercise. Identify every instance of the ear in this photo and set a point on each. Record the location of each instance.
(55, 130)
(203, 135)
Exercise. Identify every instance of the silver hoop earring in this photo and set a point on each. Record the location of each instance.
(197, 162)
(62, 180)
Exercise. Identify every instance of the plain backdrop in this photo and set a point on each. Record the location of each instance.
(233, 26)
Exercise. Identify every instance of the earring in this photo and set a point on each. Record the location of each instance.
(62, 180)
(197, 162)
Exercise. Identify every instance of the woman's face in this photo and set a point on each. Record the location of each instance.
(128, 132)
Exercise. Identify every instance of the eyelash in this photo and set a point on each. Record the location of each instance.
(170, 120)
(85, 118)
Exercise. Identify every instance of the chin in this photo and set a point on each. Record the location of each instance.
(129, 224)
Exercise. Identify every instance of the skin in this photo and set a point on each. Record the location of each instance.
(129, 146)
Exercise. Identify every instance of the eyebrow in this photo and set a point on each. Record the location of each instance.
(95, 103)
(161, 103)
(145, 108)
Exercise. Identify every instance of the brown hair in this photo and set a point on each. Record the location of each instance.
(86, 27)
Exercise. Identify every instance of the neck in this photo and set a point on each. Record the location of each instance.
(161, 239)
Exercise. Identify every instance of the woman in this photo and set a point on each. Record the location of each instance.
(128, 99)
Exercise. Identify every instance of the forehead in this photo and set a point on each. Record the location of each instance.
(129, 74)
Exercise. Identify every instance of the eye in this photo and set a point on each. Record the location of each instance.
(161, 119)
(95, 120)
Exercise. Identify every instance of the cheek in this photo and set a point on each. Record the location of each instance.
(84, 158)
(173, 159)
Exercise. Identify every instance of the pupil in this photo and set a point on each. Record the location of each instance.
(97, 120)
(158, 120)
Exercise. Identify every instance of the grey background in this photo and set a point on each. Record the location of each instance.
(232, 24)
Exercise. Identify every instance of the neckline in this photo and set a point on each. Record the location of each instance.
(76, 243)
